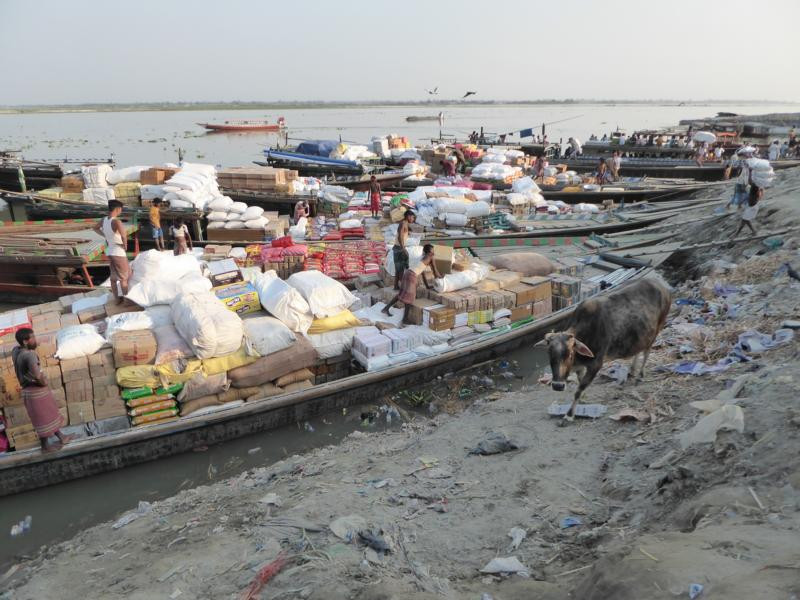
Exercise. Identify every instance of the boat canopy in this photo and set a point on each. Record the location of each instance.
(317, 147)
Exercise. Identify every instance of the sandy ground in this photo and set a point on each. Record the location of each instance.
(654, 517)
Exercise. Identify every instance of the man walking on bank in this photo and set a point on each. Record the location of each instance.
(37, 396)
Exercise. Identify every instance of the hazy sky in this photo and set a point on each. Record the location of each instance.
(116, 51)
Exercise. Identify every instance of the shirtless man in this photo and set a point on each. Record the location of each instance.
(399, 252)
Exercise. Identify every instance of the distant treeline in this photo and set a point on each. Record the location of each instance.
(242, 105)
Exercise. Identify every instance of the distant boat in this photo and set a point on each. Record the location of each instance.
(439, 117)
(726, 114)
(244, 125)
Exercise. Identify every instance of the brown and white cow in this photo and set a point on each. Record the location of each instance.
(622, 324)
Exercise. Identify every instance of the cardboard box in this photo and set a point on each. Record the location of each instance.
(74, 369)
(224, 272)
(240, 298)
(101, 385)
(59, 395)
(92, 314)
(521, 312)
(12, 321)
(566, 286)
(152, 176)
(569, 266)
(542, 285)
(80, 412)
(478, 317)
(101, 363)
(53, 375)
(68, 320)
(542, 308)
(46, 347)
(441, 318)
(72, 183)
(10, 389)
(78, 391)
(525, 294)
(415, 311)
(443, 259)
(112, 308)
(66, 301)
(134, 347)
(16, 416)
(46, 322)
(504, 278)
(109, 406)
(22, 437)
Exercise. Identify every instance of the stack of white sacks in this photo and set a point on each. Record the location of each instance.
(95, 180)
(227, 214)
(455, 209)
(494, 165)
(761, 172)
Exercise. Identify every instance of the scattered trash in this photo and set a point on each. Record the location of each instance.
(790, 324)
(271, 499)
(517, 534)
(255, 450)
(774, 242)
(590, 411)
(546, 379)
(379, 483)
(264, 574)
(568, 522)
(754, 342)
(689, 302)
(631, 414)
(374, 540)
(428, 461)
(392, 413)
(617, 372)
(695, 589)
(665, 460)
(437, 473)
(705, 430)
(22, 526)
(308, 427)
(141, 510)
(175, 593)
(486, 596)
(494, 443)
(347, 528)
(509, 564)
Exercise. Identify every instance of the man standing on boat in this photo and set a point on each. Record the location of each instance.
(399, 252)
(614, 164)
(113, 230)
(37, 396)
(155, 224)
(375, 197)
(301, 209)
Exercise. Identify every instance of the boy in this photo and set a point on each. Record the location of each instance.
(180, 233)
(155, 223)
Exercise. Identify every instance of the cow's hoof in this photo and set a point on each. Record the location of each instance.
(566, 420)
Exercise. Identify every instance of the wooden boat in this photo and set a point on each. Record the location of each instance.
(625, 193)
(25, 470)
(414, 119)
(361, 183)
(245, 125)
(309, 165)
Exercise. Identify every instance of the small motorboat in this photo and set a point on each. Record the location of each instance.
(246, 125)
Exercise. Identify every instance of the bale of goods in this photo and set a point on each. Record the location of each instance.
(266, 335)
(208, 327)
(299, 355)
(527, 263)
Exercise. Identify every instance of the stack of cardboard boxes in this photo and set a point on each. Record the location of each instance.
(257, 179)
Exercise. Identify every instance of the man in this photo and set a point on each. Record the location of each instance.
(155, 224)
(774, 152)
(36, 394)
(461, 161)
(577, 147)
(301, 209)
(408, 287)
(751, 210)
(603, 175)
(375, 197)
(448, 167)
(743, 180)
(718, 152)
(616, 163)
(399, 252)
(113, 230)
(180, 233)
(539, 166)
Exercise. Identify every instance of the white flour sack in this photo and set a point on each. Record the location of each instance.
(208, 327)
(77, 341)
(325, 296)
(282, 301)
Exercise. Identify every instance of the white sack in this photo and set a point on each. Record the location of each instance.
(125, 174)
(266, 335)
(95, 175)
(222, 204)
(217, 215)
(208, 327)
(90, 302)
(252, 212)
(237, 207)
(325, 296)
(332, 343)
(234, 225)
(163, 291)
(98, 195)
(282, 301)
(77, 341)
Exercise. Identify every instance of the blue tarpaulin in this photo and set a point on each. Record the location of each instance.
(317, 147)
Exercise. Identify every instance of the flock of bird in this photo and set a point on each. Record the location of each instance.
(435, 92)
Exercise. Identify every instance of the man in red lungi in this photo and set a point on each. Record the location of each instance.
(36, 394)
(374, 196)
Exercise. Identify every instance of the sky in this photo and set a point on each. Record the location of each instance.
(353, 50)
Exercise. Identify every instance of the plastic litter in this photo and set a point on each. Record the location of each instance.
(347, 527)
(374, 540)
(308, 427)
(517, 534)
(695, 589)
(508, 564)
(22, 526)
(630, 414)
(589, 411)
(568, 522)
(271, 499)
(753, 341)
(494, 443)
(141, 510)
(617, 372)
(729, 417)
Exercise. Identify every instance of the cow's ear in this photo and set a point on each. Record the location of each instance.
(583, 349)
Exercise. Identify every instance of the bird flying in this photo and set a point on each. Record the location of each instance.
(434, 91)
(468, 94)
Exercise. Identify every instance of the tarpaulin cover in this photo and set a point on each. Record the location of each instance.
(317, 147)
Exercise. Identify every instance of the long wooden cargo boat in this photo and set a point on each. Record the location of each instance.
(245, 125)
(25, 470)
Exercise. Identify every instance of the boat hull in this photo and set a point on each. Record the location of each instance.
(237, 128)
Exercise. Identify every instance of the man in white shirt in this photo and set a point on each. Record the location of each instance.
(577, 147)
(774, 152)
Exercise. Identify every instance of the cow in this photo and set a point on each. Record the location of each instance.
(623, 324)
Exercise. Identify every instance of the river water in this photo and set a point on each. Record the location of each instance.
(155, 137)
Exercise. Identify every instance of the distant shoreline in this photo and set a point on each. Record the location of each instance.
(236, 106)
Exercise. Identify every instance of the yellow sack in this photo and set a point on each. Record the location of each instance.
(168, 375)
(221, 364)
(342, 320)
(138, 376)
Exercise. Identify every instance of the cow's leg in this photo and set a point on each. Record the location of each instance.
(634, 364)
(645, 356)
(587, 377)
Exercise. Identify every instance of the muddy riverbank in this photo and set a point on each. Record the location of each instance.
(627, 509)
